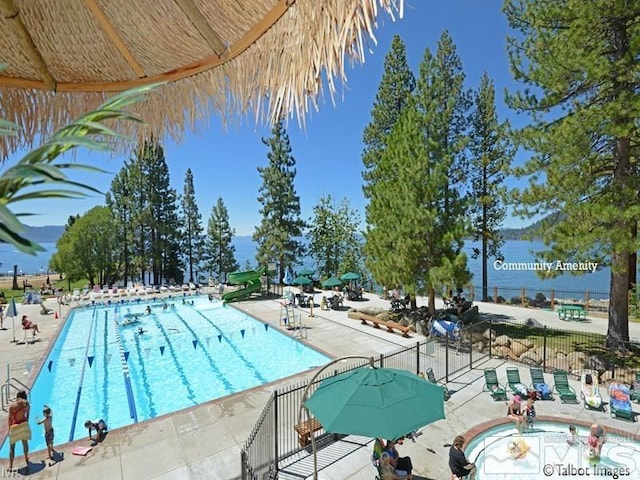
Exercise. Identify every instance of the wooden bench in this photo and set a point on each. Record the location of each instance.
(376, 322)
(305, 429)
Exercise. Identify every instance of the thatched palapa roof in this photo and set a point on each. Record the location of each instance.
(237, 57)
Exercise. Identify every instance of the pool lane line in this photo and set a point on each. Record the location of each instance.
(145, 380)
(191, 394)
(125, 372)
(246, 362)
(227, 384)
(84, 365)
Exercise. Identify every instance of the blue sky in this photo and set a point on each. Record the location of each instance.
(328, 151)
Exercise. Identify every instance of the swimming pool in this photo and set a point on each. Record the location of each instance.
(186, 355)
(550, 456)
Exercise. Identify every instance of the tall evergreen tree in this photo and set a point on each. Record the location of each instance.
(333, 238)
(445, 105)
(220, 253)
(119, 201)
(394, 92)
(143, 191)
(407, 240)
(193, 236)
(279, 232)
(491, 156)
(579, 62)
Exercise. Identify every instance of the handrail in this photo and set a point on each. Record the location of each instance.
(84, 365)
(133, 413)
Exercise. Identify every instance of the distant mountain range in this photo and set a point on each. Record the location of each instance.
(45, 234)
(51, 233)
(529, 233)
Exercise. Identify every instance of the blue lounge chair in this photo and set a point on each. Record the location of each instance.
(620, 401)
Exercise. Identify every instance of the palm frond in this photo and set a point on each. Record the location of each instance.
(38, 168)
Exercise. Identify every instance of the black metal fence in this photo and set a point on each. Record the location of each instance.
(554, 348)
(274, 443)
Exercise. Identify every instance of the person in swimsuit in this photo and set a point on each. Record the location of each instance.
(514, 412)
(19, 427)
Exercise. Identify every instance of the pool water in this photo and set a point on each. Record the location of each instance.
(186, 355)
(550, 456)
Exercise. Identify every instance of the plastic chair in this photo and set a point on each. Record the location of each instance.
(561, 385)
(491, 385)
(539, 385)
(515, 384)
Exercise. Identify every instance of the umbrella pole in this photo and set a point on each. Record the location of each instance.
(13, 325)
(305, 395)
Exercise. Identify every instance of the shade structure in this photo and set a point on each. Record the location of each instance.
(12, 312)
(301, 280)
(332, 282)
(261, 58)
(376, 402)
(349, 276)
(306, 272)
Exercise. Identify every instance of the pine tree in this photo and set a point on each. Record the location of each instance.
(119, 201)
(279, 232)
(394, 92)
(220, 253)
(491, 156)
(333, 238)
(407, 240)
(144, 192)
(445, 106)
(579, 62)
(193, 244)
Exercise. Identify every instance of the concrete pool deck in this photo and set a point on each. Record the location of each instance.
(204, 442)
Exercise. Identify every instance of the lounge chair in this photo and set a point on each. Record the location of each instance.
(543, 390)
(515, 384)
(635, 389)
(44, 310)
(431, 377)
(590, 390)
(491, 385)
(620, 401)
(561, 385)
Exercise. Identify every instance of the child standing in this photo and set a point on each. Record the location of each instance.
(530, 413)
(47, 421)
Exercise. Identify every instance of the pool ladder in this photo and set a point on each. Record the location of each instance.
(9, 388)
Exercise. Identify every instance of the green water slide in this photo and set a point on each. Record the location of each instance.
(251, 281)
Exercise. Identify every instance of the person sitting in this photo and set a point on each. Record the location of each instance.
(514, 412)
(530, 413)
(400, 464)
(458, 464)
(100, 427)
(29, 325)
(387, 470)
(323, 304)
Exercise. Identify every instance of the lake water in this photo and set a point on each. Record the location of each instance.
(508, 281)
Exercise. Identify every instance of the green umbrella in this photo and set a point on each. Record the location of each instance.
(376, 402)
(300, 280)
(305, 272)
(332, 282)
(347, 277)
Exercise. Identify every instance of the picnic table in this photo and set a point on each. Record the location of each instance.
(572, 312)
